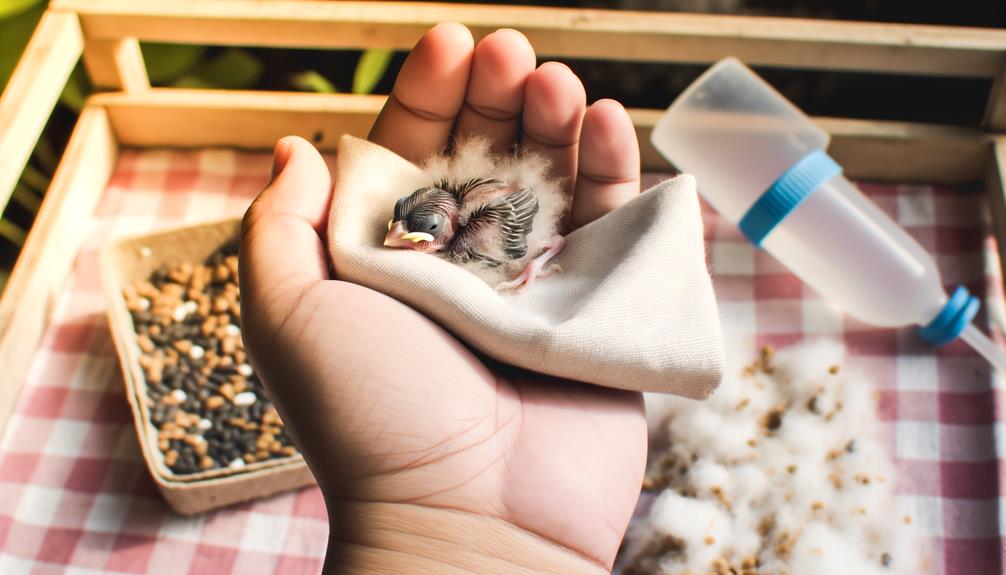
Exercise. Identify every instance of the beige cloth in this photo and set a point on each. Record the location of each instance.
(633, 308)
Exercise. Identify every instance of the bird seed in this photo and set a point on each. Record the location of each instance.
(205, 401)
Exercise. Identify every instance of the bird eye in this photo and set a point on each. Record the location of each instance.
(430, 224)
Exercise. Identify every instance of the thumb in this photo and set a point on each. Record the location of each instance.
(281, 250)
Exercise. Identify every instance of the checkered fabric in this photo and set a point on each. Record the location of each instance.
(75, 496)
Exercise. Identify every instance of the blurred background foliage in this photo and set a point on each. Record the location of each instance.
(650, 85)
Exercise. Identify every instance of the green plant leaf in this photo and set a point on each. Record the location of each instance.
(76, 90)
(189, 81)
(34, 179)
(231, 69)
(12, 233)
(10, 8)
(168, 62)
(370, 69)
(24, 197)
(311, 81)
(15, 32)
(45, 155)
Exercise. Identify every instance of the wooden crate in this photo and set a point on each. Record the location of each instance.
(131, 113)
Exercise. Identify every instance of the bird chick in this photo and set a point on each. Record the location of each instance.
(497, 216)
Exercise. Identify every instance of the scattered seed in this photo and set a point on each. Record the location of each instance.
(170, 458)
(246, 398)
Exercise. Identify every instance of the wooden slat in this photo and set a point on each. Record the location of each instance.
(51, 248)
(32, 92)
(995, 108)
(904, 152)
(995, 189)
(888, 151)
(558, 32)
(875, 150)
(202, 118)
(116, 64)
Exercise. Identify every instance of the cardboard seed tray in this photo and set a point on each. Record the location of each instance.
(126, 261)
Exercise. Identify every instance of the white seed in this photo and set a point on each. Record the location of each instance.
(143, 303)
(145, 251)
(197, 352)
(237, 463)
(179, 395)
(191, 306)
(180, 313)
(205, 424)
(232, 329)
(245, 398)
(245, 369)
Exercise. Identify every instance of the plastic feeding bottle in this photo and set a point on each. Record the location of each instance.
(761, 163)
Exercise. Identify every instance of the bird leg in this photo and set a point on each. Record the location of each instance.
(539, 267)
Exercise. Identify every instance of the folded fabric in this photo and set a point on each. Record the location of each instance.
(633, 307)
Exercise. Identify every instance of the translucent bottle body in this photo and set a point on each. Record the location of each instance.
(846, 248)
(740, 137)
(737, 135)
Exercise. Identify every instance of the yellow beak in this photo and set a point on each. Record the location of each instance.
(399, 238)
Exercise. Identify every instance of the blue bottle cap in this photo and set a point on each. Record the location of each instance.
(960, 309)
(788, 191)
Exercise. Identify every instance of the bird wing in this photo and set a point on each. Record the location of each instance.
(497, 230)
(475, 190)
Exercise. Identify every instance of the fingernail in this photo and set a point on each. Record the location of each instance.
(280, 156)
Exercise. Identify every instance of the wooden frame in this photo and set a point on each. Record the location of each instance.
(106, 34)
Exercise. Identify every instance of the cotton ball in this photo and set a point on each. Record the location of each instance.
(749, 525)
(749, 483)
(718, 435)
(806, 435)
(659, 408)
(821, 550)
(812, 492)
(728, 394)
(699, 524)
(706, 475)
(804, 367)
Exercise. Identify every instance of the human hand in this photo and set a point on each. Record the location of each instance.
(390, 410)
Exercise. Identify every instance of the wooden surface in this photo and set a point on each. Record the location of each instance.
(201, 118)
(995, 190)
(574, 33)
(885, 151)
(51, 248)
(116, 64)
(995, 108)
(32, 92)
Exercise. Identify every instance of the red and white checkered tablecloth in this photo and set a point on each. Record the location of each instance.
(75, 496)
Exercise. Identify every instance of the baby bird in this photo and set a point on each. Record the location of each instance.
(496, 216)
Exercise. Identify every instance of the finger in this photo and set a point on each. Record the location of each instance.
(281, 250)
(554, 103)
(420, 112)
(501, 65)
(608, 165)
